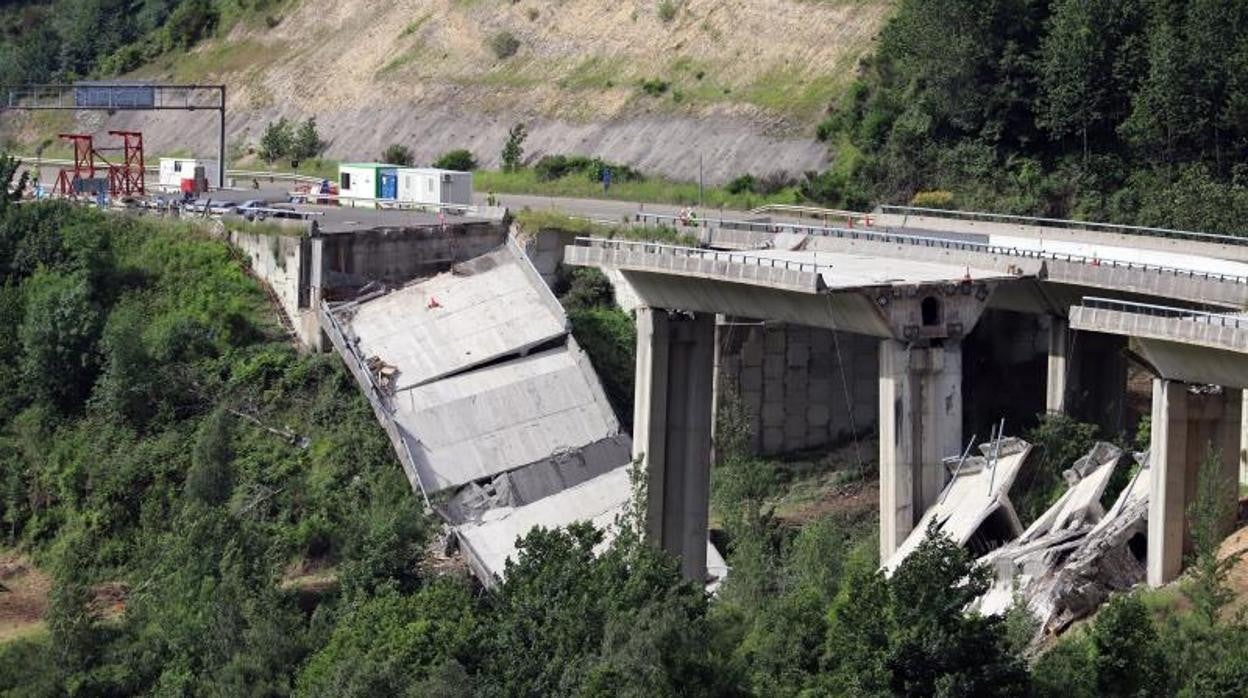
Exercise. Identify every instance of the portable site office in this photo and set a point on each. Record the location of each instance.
(435, 187)
(174, 170)
(363, 184)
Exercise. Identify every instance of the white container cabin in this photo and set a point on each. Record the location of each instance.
(174, 170)
(361, 184)
(433, 187)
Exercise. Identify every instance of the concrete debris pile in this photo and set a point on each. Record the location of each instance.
(1069, 561)
(490, 404)
(974, 509)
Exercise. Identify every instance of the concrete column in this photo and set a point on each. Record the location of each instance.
(1055, 392)
(1185, 426)
(1243, 439)
(1168, 450)
(920, 424)
(672, 430)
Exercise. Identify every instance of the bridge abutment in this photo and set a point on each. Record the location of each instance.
(920, 423)
(672, 430)
(1186, 425)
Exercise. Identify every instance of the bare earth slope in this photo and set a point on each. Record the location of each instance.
(746, 80)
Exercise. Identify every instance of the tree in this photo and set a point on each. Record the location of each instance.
(190, 22)
(277, 141)
(8, 171)
(307, 142)
(911, 635)
(1207, 518)
(1078, 68)
(388, 643)
(1125, 654)
(59, 335)
(566, 621)
(398, 154)
(211, 477)
(513, 149)
(460, 160)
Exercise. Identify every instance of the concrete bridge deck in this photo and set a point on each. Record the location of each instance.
(1190, 273)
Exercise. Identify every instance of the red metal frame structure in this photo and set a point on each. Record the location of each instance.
(130, 171)
(84, 163)
(123, 180)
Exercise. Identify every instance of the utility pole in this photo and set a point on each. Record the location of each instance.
(700, 185)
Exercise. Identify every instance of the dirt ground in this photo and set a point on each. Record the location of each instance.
(1237, 544)
(24, 598)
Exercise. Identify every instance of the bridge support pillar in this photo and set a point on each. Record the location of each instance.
(1185, 427)
(1059, 361)
(920, 424)
(672, 430)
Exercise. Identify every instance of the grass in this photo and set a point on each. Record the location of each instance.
(657, 190)
(538, 220)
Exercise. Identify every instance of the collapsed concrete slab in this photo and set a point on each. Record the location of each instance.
(480, 310)
(602, 501)
(1072, 557)
(502, 417)
(974, 509)
(489, 402)
(449, 363)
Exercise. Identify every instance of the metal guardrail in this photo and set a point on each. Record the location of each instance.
(812, 211)
(695, 252)
(1217, 319)
(1068, 223)
(887, 236)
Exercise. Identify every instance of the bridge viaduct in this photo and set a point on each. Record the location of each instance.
(919, 283)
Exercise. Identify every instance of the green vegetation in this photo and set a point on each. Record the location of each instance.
(398, 154)
(1165, 642)
(504, 44)
(606, 333)
(1125, 111)
(460, 160)
(513, 149)
(649, 189)
(281, 139)
(44, 41)
(158, 432)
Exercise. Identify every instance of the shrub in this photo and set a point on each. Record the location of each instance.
(504, 44)
(307, 142)
(667, 10)
(461, 160)
(398, 154)
(553, 167)
(773, 182)
(513, 149)
(933, 199)
(654, 87)
(744, 184)
(277, 141)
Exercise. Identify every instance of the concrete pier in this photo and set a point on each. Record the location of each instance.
(672, 430)
(1186, 425)
(920, 424)
(1059, 342)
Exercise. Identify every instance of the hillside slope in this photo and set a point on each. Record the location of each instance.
(742, 82)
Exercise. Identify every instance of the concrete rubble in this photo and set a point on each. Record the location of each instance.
(1070, 559)
(493, 408)
(974, 509)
